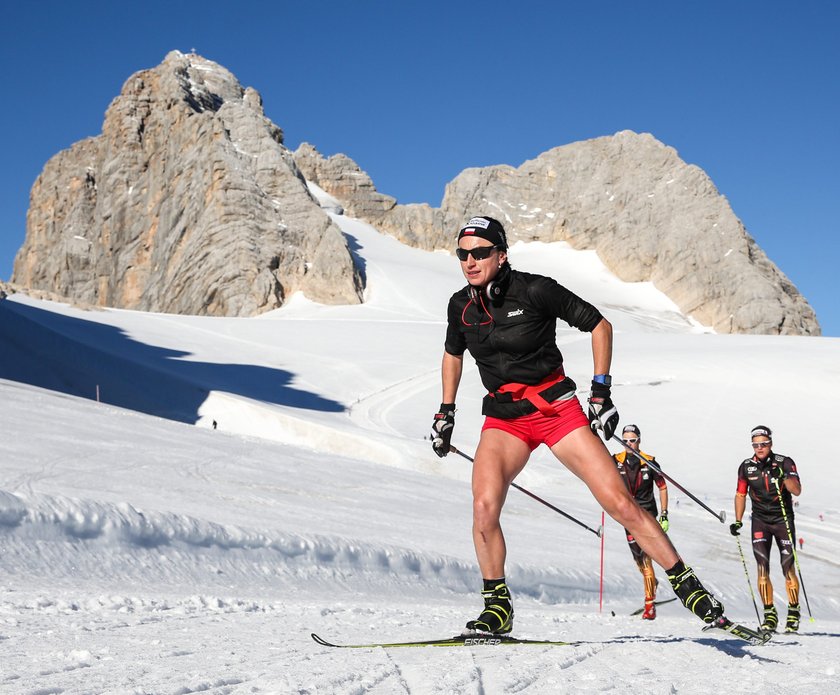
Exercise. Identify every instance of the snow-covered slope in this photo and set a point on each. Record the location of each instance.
(144, 551)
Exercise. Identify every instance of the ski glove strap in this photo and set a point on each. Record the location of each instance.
(442, 427)
(602, 413)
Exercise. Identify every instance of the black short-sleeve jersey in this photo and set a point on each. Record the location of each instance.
(513, 336)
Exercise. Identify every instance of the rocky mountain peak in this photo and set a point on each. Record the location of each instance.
(648, 214)
(188, 202)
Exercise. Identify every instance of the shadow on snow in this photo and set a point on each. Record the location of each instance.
(74, 356)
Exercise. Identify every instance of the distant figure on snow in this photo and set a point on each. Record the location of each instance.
(640, 479)
(770, 479)
(506, 319)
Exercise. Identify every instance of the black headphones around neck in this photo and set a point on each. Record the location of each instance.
(496, 288)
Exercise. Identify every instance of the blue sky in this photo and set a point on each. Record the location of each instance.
(415, 92)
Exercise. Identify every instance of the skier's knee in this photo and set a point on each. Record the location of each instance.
(486, 513)
(624, 510)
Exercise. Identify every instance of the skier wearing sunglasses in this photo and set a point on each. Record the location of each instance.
(507, 319)
(770, 480)
(640, 479)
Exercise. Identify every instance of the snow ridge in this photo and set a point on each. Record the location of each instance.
(91, 535)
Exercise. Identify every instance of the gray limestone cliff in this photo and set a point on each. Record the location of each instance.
(648, 214)
(187, 202)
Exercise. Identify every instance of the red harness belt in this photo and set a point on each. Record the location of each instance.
(531, 392)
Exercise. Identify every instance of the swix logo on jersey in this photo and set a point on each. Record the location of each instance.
(516, 312)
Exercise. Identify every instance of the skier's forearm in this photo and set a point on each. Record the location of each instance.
(602, 342)
(450, 372)
(794, 486)
(740, 506)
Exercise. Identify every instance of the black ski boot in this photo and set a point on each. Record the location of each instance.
(692, 593)
(771, 619)
(497, 616)
(792, 624)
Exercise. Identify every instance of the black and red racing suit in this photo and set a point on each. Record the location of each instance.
(756, 479)
(639, 479)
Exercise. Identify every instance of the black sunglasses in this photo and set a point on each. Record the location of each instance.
(760, 445)
(479, 252)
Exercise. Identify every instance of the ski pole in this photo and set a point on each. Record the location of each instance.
(749, 583)
(530, 494)
(793, 546)
(720, 516)
(601, 578)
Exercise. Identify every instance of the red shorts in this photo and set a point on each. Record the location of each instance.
(536, 428)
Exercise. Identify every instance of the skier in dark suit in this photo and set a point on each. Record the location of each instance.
(764, 476)
(640, 481)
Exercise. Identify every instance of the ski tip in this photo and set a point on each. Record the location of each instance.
(754, 637)
(321, 641)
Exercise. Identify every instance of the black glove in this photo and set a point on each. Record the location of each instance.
(777, 473)
(734, 528)
(442, 429)
(602, 412)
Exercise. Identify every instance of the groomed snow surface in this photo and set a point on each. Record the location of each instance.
(144, 551)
